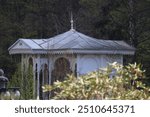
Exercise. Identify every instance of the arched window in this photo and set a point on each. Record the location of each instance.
(75, 70)
(40, 85)
(36, 79)
(30, 61)
(45, 74)
(46, 81)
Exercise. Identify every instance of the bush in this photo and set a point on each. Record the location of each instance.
(125, 83)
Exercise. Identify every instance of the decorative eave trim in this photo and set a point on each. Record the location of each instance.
(69, 51)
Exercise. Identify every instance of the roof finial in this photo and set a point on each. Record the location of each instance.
(71, 21)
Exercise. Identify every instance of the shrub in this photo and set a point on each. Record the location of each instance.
(125, 83)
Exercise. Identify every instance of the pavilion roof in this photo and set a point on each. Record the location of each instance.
(71, 41)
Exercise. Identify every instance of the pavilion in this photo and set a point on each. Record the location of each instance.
(69, 52)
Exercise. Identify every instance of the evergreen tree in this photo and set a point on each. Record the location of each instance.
(24, 82)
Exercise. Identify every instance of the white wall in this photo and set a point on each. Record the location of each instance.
(88, 63)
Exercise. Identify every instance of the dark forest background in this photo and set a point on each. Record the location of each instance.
(127, 20)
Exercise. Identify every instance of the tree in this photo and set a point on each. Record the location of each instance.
(25, 83)
(126, 20)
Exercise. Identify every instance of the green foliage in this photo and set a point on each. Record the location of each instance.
(28, 83)
(16, 80)
(23, 80)
(125, 84)
(108, 19)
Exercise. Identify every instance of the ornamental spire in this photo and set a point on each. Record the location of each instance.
(71, 21)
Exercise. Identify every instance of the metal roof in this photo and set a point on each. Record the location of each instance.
(71, 41)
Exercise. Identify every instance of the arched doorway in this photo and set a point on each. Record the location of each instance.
(60, 71)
